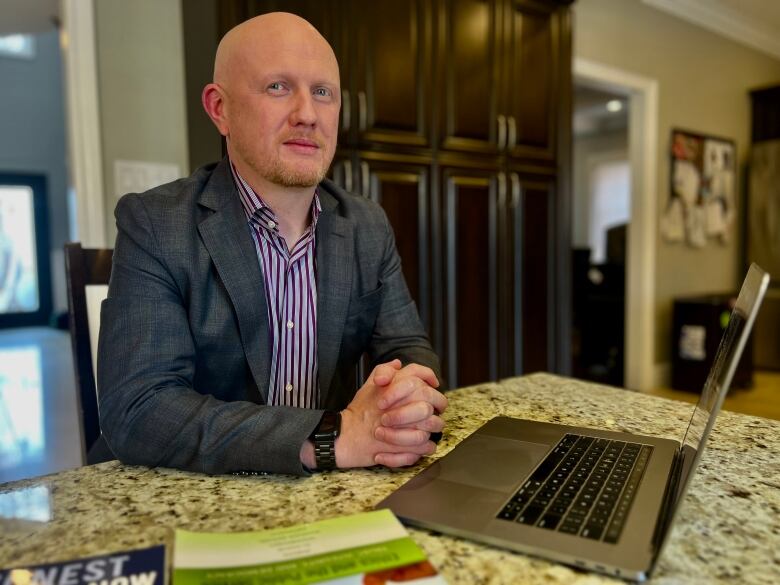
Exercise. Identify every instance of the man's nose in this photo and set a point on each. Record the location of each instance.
(304, 112)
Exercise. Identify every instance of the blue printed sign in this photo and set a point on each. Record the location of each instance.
(136, 567)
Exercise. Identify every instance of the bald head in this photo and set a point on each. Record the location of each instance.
(276, 97)
(259, 38)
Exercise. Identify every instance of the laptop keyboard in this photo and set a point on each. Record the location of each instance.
(584, 487)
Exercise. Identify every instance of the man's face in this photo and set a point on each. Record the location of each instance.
(282, 106)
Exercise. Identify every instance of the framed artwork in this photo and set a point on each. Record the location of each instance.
(702, 193)
(25, 283)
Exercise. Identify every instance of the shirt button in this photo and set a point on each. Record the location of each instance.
(272, 224)
(288, 387)
(290, 324)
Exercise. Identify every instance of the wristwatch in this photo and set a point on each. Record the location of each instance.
(324, 439)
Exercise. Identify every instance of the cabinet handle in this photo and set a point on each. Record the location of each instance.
(515, 202)
(362, 110)
(512, 132)
(501, 132)
(501, 189)
(348, 175)
(346, 110)
(365, 178)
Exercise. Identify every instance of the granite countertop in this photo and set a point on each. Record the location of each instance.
(728, 529)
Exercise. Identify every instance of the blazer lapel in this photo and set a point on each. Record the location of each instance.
(229, 242)
(335, 252)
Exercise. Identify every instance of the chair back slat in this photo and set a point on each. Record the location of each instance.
(84, 266)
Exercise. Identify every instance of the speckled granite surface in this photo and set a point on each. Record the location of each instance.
(728, 529)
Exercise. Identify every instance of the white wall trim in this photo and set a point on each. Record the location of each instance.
(725, 20)
(83, 119)
(642, 237)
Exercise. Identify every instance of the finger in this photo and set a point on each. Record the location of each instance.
(396, 459)
(401, 389)
(438, 400)
(407, 414)
(401, 437)
(432, 424)
(383, 374)
(409, 389)
(425, 374)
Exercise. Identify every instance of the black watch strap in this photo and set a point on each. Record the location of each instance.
(324, 439)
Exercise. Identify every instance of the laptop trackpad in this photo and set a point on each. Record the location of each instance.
(490, 462)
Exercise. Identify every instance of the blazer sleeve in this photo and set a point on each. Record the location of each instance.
(398, 331)
(150, 413)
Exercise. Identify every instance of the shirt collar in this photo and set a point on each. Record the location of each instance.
(254, 206)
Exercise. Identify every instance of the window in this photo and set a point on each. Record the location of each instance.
(17, 46)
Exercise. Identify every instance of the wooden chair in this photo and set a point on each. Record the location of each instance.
(86, 267)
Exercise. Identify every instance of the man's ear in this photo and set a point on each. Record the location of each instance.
(213, 100)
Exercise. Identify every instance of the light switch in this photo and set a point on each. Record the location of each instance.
(131, 176)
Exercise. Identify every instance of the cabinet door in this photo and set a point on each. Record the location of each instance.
(472, 203)
(532, 202)
(403, 191)
(392, 72)
(468, 53)
(530, 73)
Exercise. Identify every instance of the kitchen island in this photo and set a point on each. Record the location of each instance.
(728, 529)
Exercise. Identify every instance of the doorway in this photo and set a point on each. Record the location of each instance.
(601, 217)
(627, 361)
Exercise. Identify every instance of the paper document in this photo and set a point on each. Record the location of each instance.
(368, 549)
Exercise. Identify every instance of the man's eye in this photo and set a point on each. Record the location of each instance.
(276, 87)
(322, 92)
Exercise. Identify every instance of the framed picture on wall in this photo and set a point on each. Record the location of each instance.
(25, 282)
(702, 203)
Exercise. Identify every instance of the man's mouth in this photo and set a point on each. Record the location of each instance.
(302, 144)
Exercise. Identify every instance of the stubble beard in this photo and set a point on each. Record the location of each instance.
(278, 173)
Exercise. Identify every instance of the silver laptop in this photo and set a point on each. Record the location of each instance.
(591, 498)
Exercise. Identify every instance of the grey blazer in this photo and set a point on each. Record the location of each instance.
(184, 355)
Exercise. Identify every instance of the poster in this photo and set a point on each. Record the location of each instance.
(702, 202)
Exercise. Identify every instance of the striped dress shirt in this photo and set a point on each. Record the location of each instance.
(291, 295)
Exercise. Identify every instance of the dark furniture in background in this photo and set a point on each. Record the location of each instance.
(691, 364)
(456, 119)
(84, 266)
(598, 331)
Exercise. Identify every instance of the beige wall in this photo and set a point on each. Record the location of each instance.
(141, 87)
(704, 81)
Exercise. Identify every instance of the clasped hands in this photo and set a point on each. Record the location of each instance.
(391, 418)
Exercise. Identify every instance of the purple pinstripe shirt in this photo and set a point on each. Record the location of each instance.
(291, 295)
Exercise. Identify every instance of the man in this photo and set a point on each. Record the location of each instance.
(242, 297)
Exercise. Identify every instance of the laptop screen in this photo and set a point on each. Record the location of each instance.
(715, 388)
(727, 357)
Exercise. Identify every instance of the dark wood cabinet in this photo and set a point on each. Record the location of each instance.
(455, 120)
(498, 63)
(403, 189)
(532, 30)
(533, 202)
(390, 99)
(469, 210)
(468, 59)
